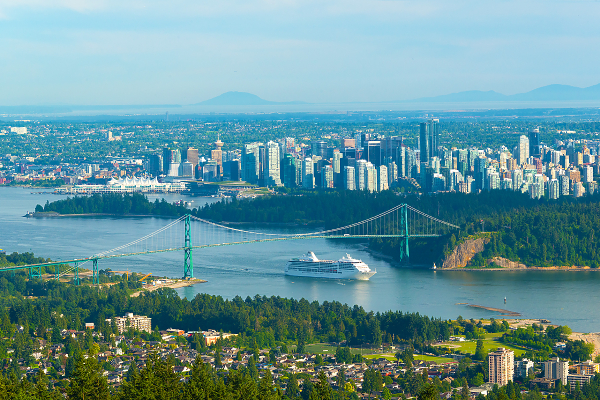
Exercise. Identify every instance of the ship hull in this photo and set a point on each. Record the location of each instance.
(364, 276)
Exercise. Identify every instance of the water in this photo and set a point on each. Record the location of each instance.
(568, 298)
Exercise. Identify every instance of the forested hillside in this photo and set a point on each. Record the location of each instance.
(266, 320)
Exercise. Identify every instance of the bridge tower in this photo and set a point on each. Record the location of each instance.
(188, 265)
(95, 276)
(403, 239)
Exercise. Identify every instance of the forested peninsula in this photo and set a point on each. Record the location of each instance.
(536, 233)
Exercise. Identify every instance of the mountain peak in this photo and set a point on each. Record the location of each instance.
(236, 99)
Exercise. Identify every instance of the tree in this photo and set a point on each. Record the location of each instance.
(86, 381)
(428, 392)
(407, 357)
(480, 353)
(292, 391)
(322, 388)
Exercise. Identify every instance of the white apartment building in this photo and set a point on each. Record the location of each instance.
(501, 365)
(136, 322)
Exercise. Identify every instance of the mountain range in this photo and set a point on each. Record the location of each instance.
(544, 93)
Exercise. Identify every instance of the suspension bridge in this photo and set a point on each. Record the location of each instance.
(189, 233)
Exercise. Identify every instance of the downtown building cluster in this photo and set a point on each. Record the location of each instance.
(367, 161)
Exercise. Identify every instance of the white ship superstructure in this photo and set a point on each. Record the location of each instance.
(345, 268)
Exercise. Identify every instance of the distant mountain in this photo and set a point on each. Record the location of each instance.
(544, 93)
(559, 92)
(241, 99)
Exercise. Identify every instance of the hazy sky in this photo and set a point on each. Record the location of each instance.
(186, 51)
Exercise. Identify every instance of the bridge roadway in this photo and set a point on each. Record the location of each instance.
(104, 257)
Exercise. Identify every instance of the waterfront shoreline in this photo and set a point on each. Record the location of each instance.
(560, 269)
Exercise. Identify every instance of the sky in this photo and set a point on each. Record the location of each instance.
(185, 51)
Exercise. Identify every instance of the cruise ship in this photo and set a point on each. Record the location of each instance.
(345, 268)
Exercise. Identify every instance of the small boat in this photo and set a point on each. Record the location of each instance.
(434, 267)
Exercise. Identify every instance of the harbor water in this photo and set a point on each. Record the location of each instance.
(567, 298)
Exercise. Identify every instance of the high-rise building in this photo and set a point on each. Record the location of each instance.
(556, 369)
(308, 174)
(401, 161)
(553, 189)
(272, 164)
(501, 366)
(155, 164)
(186, 169)
(288, 171)
(523, 150)
(216, 155)
(429, 133)
(383, 178)
(250, 163)
(523, 368)
(346, 142)
(173, 169)
(349, 178)
(517, 177)
(319, 148)
(565, 185)
(192, 156)
(588, 174)
(166, 158)
(455, 178)
(327, 177)
(479, 172)
(578, 189)
(337, 157)
(534, 142)
(371, 178)
(361, 174)
(372, 152)
(392, 173)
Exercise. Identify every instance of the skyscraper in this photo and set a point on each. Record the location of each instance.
(166, 159)
(272, 167)
(192, 156)
(553, 189)
(327, 177)
(523, 150)
(361, 174)
(319, 148)
(349, 178)
(217, 155)
(155, 164)
(288, 171)
(429, 139)
(424, 142)
(372, 152)
(250, 163)
(308, 174)
(383, 178)
(534, 142)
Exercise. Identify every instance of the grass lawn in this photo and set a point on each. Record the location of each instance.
(490, 343)
(323, 348)
(390, 357)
